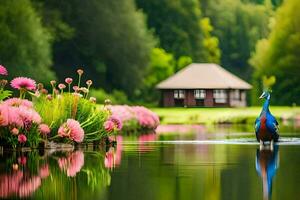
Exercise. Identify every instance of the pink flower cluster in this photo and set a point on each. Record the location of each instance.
(72, 130)
(144, 117)
(72, 164)
(18, 113)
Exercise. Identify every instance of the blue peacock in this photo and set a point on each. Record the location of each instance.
(266, 125)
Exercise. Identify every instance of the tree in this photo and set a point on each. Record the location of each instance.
(176, 24)
(161, 66)
(25, 45)
(278, 55)
(111, 42)
(210, 43)
(238, 25)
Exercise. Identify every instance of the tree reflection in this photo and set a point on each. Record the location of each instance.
(267, 163)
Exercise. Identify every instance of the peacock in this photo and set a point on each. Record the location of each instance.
(266, 125)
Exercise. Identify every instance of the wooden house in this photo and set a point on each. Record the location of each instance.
(203, 85)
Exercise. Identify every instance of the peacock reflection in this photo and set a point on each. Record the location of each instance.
(267, 163)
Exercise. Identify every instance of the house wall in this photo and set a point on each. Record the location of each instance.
(168, 98)
(240, 102)
(209, 99)
(190, 101)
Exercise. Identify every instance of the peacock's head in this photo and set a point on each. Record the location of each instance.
(265, 95)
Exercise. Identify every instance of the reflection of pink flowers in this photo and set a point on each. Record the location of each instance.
(22, 160)
(113, 156)
(143, 139)
(72, 164)
(44, 171)
(16, 184)
(29, 186)
(3, 70)
(44, 129)
(72, 130)
(9, 184)
(23, 83)
(22, 138)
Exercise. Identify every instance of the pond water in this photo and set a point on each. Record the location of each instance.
(197, 163)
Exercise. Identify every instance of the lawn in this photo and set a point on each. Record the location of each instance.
(220, 115)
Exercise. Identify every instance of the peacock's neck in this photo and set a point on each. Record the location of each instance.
(266, 105)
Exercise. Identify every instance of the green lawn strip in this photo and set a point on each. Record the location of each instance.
(219, 115)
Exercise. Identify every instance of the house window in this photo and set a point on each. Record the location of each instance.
(179, 94)
(199, 94)
(220, 96)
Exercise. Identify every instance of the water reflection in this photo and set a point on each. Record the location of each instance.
(72, 163)
(113, 154)
(267, 163)
(23, 177)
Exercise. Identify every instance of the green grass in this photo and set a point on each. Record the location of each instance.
(219, 115)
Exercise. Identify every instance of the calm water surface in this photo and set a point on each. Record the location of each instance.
(221, 164)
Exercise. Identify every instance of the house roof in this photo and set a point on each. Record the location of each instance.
(203, 75)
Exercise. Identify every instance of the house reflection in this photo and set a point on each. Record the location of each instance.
(267, 163)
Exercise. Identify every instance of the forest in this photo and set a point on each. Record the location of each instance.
(127, 46)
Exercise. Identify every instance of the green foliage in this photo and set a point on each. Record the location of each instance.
(25, 45)
(162, 65)
(176, 23)
(111, 42)
(55, 112)
(238, 25)
(182, 62)
(278, 55)
(5, 94)
(210, 43)
(116, 97)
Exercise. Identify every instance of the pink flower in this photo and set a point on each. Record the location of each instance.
(61, 86)
(14, 131)
(109, 126)
(93, 99)
(80, 72)
(18, 102)
(44, 129)
(89, 82)
(9, 115)
(76, 88)
(69, 80)
(22, 138)
(116, 120)
(71, 129)
(23, 83)
(3, 70)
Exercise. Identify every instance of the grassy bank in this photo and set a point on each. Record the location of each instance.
(220, 115)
